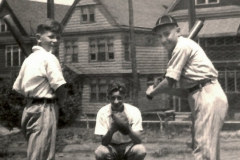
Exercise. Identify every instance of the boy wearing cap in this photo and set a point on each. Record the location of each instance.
(41, 81)
(115, 144)
(197, 76)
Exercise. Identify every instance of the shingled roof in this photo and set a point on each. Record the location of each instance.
(145, 13)
(31, 13)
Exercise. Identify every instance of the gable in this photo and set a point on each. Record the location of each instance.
(103, 20)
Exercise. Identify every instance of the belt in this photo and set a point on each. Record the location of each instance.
(43, 100)
(199, 86)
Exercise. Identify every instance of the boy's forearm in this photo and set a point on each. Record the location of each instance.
(166, 87)
(107, 138)
(61, 95)
(135, 137)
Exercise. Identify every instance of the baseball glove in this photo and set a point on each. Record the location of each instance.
(121, 121)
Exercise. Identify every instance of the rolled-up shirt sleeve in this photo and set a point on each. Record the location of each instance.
(101, 127)
(179, 58)
(137, 121)
(54, 72)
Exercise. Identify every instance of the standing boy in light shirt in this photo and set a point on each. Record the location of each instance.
(41, 82)
(115, 144)
(190, 66)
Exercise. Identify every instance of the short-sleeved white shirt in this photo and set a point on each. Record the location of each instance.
(104, 121)
(40, 75)
(189, 64)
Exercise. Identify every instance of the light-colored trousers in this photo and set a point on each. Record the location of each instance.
(39, 124)
(209, 108)
(120, 152)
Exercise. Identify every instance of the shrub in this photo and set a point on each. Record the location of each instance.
(11, 106)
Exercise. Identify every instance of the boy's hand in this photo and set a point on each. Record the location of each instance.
(113, 127)
(149, 91)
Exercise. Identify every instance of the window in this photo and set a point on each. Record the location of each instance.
(221, 48)
(230, 80)
(199, 2)
(14, 56)
(99, 86)
(71, 48)
(87, 13)
(127, 55)
(3, 26)
(98, 90)
(101, 49)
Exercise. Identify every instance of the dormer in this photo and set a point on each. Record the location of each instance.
(87, 11)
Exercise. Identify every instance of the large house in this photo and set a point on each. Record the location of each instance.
(95, 46)
(220, 38)
(27, 15)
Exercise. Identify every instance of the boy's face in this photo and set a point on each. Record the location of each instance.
(117, 101)
(49, 40)
(168, 36)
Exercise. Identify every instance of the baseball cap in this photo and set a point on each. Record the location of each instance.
(164, 20)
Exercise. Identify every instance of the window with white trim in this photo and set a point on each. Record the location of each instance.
(199, 2)
(3, 26)
(87, 14)
(14, 56)
(98, 90)
(71, 48)
(101, 49)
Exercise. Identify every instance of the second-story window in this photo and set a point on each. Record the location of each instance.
(14, 56)
(87, 14)
(3, 26)
(199, 2)
(101, 49)
(71, 48)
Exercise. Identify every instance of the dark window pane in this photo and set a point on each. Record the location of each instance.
(110, 55)
(93, 57)
(220, 41)
(15, 56)
(230, 81)
(2, 28)
(102, 97)
(93, 97)
(101, 56)
(229, 40)
(9, 59)
(84, 17)
(74, 58)
(92, 18)
(210, 41)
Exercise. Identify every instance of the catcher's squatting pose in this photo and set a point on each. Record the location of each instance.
(120, 126)
(41, 81)
(190, 66)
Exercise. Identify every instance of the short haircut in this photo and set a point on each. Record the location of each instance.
(49, 25)
(115, 87)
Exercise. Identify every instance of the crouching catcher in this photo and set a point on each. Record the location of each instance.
(119, 124)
